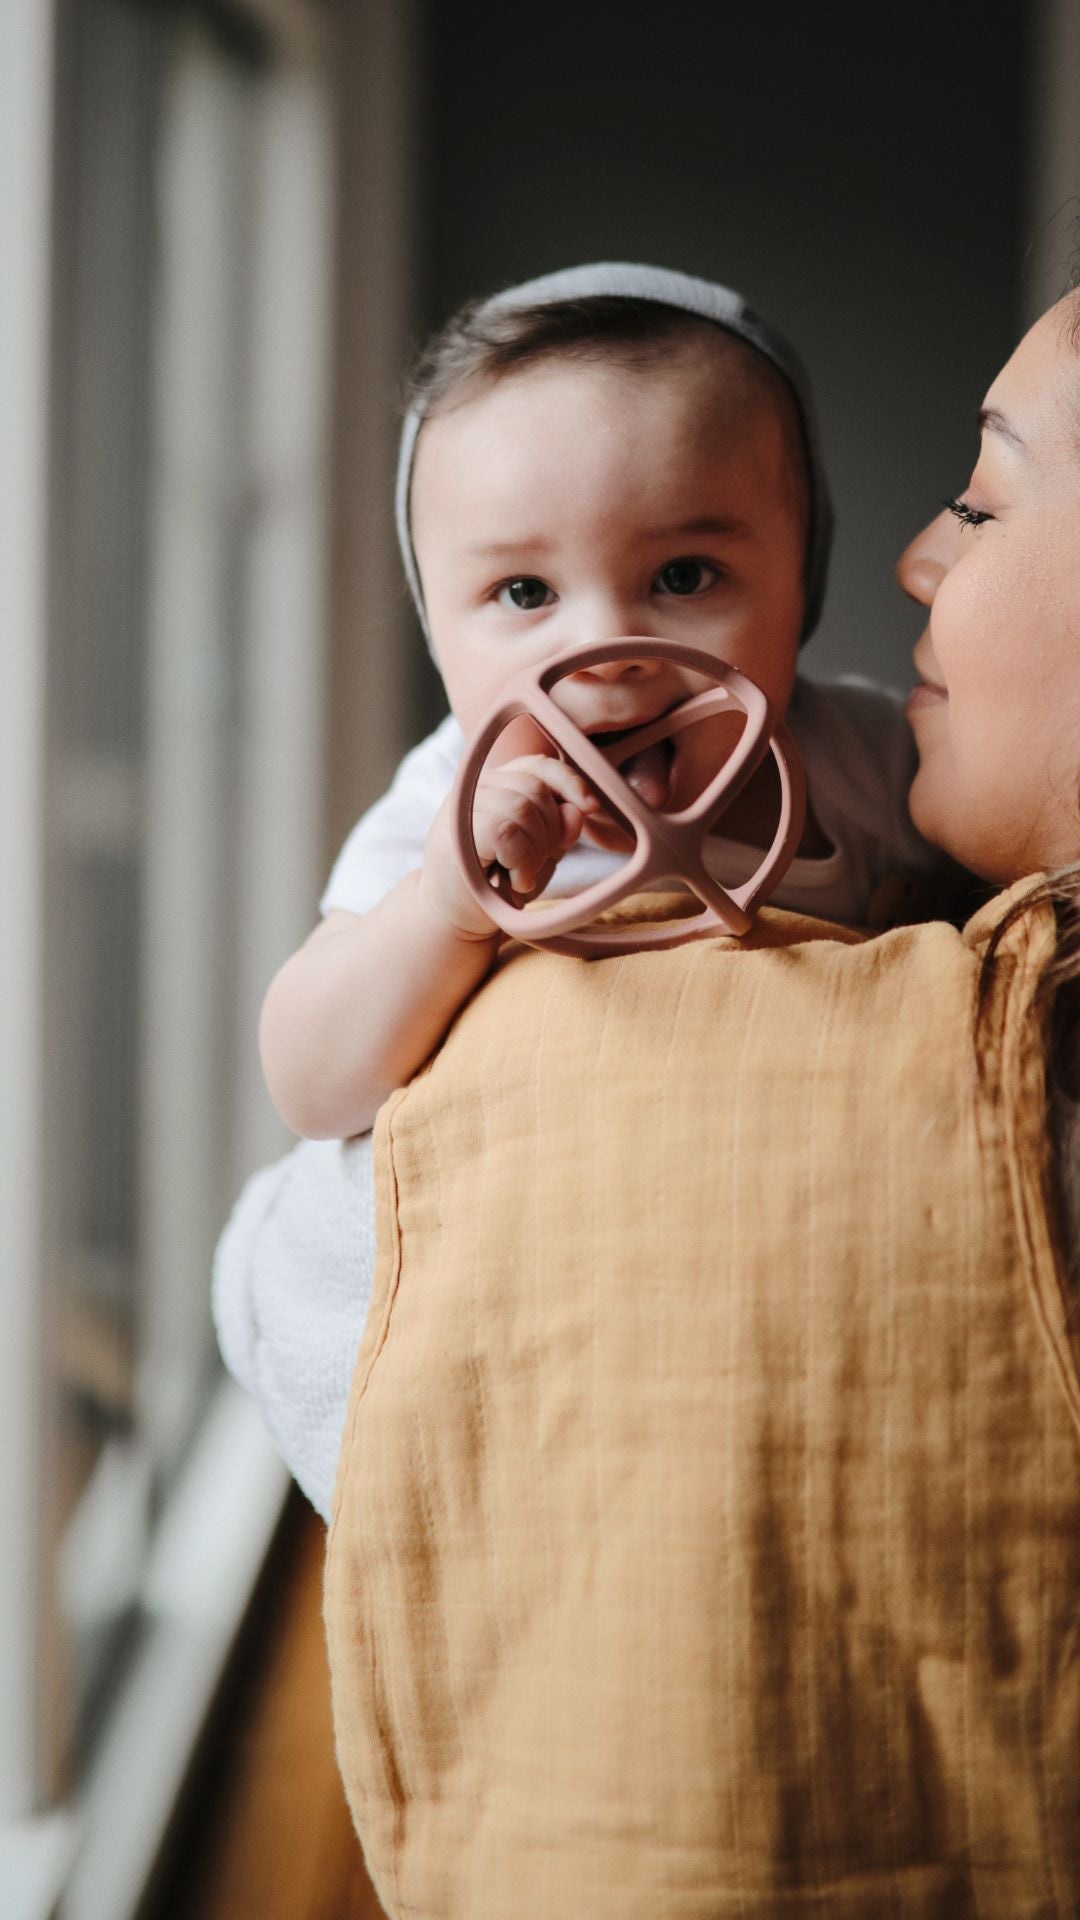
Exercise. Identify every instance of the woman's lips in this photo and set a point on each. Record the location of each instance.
(926, 694)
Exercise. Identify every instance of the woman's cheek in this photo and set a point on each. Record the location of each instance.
(1022, 602)
(998, 756)
(966, 615)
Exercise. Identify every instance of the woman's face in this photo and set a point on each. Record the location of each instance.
(996, 715)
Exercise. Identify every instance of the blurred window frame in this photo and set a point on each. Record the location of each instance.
(166, 473)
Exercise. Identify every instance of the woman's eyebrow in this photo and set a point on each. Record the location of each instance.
(991, 421)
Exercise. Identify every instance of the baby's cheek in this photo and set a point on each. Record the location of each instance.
(522, 736)
(768, 653)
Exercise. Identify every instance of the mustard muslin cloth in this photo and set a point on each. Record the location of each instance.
(707, 1531)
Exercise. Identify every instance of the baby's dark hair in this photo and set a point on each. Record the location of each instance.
(483, 342)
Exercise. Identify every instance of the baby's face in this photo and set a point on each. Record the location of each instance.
(571, 503)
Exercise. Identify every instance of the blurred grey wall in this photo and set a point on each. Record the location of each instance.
(860, 175)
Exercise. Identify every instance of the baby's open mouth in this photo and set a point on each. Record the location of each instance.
(648, 771)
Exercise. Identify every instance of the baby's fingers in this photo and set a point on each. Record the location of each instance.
(572, 820)
(522, 846)
(518, 822)
(558, 777)
(519, 830)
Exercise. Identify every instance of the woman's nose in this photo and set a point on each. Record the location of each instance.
(923, 565)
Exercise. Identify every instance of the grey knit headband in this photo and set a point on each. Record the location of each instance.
(710, 302)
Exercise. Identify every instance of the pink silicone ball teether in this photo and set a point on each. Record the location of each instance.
(668, 846)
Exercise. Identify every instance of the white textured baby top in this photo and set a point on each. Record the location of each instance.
(294, 1268)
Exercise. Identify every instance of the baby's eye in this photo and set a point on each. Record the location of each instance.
(967, 516)
(525, 593)
(687, 576)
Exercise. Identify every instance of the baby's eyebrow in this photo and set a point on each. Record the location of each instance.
(726, 525)
(506, 549)
(708, 524)
(991, 421)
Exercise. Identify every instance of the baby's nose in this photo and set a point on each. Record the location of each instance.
(644, 668)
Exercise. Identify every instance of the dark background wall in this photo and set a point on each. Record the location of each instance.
(859, 174)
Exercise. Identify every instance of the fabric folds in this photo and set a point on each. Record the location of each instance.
(707, 1529)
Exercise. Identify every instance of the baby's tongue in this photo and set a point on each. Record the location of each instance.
(648, 773)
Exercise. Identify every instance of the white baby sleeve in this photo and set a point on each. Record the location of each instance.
(291, 1290)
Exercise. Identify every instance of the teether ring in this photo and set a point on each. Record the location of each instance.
(669, 846)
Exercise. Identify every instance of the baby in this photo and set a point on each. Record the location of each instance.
(611, 450)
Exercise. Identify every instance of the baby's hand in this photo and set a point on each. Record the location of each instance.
(526, 815)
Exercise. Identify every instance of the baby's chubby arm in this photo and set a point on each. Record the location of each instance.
(362, 1004)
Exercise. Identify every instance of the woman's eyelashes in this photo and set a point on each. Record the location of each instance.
(968, 516)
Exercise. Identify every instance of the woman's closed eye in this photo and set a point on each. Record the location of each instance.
(684, 578)
(968, 516)
(526, 593)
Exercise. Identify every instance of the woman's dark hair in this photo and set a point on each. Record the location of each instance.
(1056, 1009)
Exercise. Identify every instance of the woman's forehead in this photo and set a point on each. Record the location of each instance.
(1034, 402)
